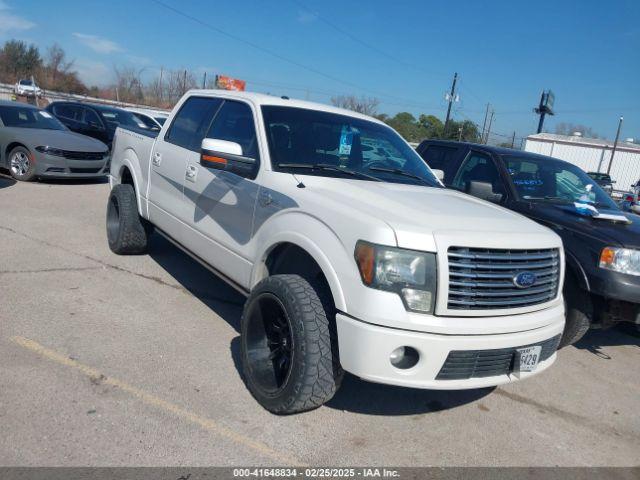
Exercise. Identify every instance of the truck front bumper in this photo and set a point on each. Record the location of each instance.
(444, 360)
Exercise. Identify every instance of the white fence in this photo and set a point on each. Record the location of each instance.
(625, 170)
(7, 93)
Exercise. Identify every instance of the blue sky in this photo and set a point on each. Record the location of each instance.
(402, 52)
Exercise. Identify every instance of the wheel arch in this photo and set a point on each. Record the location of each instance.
(291, 252)
(128, 174)
(573, 268)
(13, 144)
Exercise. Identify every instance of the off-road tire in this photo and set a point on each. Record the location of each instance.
(30, 174)
(126, 232)
(315, 374)
(579, 311)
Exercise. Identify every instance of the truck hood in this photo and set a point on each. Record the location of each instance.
(419, 214)
(611, 233)
(62, 139)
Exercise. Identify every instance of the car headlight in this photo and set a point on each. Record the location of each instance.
(51, 151)
(409, 273)
(623, 260)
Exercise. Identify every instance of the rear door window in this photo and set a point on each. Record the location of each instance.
(192, 122)
(68, 112)
(443, 158)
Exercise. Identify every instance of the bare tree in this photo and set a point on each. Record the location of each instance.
(129, 84)
(569, 128)
(364, 105)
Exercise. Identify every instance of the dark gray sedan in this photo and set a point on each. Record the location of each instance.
(35, 144)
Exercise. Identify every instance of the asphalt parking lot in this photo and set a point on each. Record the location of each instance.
(109, 361)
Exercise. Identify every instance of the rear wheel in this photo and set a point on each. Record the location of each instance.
(126, 232)
(287, 356)
(22, 165)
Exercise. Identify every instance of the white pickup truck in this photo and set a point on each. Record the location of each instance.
(352, 255)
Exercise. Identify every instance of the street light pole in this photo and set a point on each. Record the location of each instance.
(615, 145)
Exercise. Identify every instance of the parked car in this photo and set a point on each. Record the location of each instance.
(97, 121)
(34, 144)
(604, 180)
(27, 88)
(349, 261)
(631, 201)
(602, 244)
(152, 119)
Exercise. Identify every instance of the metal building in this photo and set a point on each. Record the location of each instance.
(591, 155)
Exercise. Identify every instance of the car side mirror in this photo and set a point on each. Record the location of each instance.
(484, 190)
(438, 173)
(95, 125)
(225, 155)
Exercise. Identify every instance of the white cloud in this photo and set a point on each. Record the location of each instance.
(93, 73)
(11, 22)
(98, 44)
(306, 17)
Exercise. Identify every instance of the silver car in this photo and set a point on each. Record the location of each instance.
(35, 144)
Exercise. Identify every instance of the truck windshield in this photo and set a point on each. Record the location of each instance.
(26, 117)
(545, 179)
(328, 144)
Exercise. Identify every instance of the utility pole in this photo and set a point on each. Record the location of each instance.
(513, 139)
(184, 82)
(615, 145)
(484, 124)
(460, 133)
(451, 99)
(486, 139)
(204, 81)
(161, 71)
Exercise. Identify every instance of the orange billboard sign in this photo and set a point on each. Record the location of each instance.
(228, 83)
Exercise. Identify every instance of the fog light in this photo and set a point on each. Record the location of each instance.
(404, 357)
(419, 300)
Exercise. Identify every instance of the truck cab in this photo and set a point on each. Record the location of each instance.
(602, 243)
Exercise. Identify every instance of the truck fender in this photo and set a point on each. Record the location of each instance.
(574, 267)
(278, 231)
(131, 162)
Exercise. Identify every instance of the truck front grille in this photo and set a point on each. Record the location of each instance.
(464, 364)
(487, 279)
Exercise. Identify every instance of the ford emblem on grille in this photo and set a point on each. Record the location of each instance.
(525, 279)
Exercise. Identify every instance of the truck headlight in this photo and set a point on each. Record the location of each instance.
(623, 260)
(409, 273)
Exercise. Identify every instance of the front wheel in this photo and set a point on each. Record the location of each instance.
(288, 362)
(579, 311)
(22, 165)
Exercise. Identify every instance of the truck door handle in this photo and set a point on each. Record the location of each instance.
(157, 159)
(191, 173)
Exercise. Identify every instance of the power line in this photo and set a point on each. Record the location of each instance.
(269, 52)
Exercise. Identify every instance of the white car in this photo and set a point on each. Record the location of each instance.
(27, 88)
(349, 260)
(152, 119)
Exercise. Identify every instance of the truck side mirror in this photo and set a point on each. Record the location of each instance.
(225, 155)
(484, 190)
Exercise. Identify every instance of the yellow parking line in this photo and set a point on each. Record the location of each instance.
(157, 402)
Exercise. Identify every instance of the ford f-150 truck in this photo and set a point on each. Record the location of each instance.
(352, 254)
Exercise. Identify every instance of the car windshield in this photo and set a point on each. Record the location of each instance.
(544, 179)
(116, 117)
(25, 82)
(26, 117)
(329, 144)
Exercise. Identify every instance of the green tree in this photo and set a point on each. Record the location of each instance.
(18, 60)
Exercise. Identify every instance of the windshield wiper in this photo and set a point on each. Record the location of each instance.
(328, 167)
(398, 171)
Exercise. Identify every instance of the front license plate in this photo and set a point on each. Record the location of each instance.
(527, 358)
